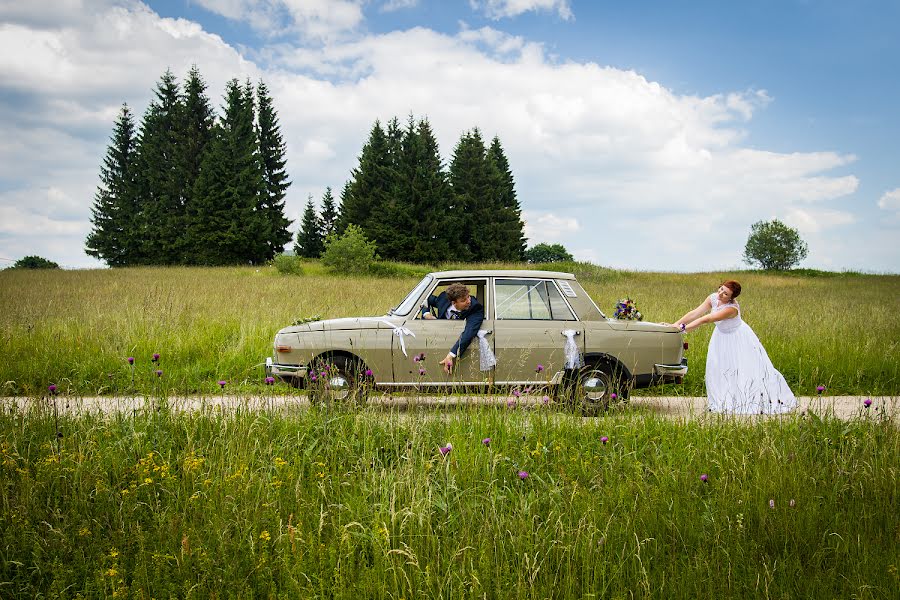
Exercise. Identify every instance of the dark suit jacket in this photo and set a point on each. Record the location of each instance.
(474, 316)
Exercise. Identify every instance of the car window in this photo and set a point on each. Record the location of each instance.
(410, 301)
(476, 288)
(530, 299)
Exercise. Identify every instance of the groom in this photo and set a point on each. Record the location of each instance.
(456, 303)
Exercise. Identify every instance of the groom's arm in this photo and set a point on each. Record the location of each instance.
(473, 324)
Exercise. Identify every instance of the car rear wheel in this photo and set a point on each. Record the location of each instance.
(591, 390)
(339, 380)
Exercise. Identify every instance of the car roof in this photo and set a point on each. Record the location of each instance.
(501, 273)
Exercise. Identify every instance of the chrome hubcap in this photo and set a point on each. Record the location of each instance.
(595, 386)
(339, 387)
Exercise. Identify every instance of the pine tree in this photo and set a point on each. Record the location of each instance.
(272, 151)
(159, 182)
(309, 238)
(193, 140)
(510, 228)
(226, 225)
(472, 179)
(328, 221)
(115, 209)
(370, 188)
(428, 195)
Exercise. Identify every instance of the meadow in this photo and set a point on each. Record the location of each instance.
(76, 329)
(465, 501)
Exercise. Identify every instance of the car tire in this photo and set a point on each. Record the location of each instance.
(345, 383)
(590, 389)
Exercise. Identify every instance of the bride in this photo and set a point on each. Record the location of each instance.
(740, 378)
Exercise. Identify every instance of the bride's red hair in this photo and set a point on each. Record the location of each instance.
(734, 286)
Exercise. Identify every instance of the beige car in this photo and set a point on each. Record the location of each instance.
(540, 330)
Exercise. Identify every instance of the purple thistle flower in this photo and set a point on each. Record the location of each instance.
(523, 475)
(613, 396)
(368, 372)
(486, 441)
(517, 393)
(704, 478)
(270, 380)
(52, 388)
(867, 402)
(421, 370)
(772, 503)
(323, 374)
(604, 439)
(155, 357)
(130, 360)
(511, 403)
(312, 377)
(159, 372)
(445, 450)
(416, 358)
(539, 368)
(546, 400)
(222, 383)
(820, 389)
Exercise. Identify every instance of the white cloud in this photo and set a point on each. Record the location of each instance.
(392, 5)
(815, 220)
(890, 200)
(548, 227)
(312, 19)
(499, 9)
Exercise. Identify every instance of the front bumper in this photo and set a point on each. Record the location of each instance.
(274, 369)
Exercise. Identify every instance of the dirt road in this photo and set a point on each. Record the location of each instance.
(685, 408)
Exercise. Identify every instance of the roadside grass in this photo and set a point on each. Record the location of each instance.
(76, 329)
(335, 503)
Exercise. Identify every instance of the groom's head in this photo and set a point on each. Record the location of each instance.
(458, 295)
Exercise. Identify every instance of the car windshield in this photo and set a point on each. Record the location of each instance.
(410, 300)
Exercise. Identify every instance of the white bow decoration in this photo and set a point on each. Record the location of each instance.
(573, 356)
(486, 355)
(400, 332)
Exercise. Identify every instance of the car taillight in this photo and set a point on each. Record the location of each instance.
(685, 345)
(282, 348)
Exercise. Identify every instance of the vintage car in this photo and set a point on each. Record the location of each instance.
(533, 321)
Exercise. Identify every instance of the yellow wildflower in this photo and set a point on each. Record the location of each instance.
(264, 536)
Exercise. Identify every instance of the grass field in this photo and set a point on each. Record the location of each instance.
(341, 502)
(77, 328)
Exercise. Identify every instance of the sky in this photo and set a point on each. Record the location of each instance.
(645, 135)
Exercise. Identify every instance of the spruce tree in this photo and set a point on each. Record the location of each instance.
(472, 178)
(226, 225)
(328, 221)
(309, 242)
(193, 140)
(370, 188)
(427, 196)
(115, 212)
(510, 228)
(160, 183)
(272, 151)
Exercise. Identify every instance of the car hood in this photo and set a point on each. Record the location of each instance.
(345, 323)
(623, 325)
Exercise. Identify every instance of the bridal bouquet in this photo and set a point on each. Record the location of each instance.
(627, 311)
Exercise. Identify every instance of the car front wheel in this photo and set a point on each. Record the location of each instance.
(593, 389)
(341, 380)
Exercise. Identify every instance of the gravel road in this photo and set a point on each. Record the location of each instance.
(685, 408)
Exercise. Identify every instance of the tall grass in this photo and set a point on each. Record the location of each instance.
(77, 328)
(332, 504)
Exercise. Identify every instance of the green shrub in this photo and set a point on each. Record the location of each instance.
(350, 252)
(391, 269)
(35, 262)
(287, 264)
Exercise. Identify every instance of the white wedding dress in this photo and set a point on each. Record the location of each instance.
(740, 378)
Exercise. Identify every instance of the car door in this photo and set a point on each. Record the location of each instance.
(431, 339)
(530, 316)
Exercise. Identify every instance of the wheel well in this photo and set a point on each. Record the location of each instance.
(615, 366)
(331, 355)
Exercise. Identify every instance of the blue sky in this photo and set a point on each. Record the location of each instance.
(644, 135)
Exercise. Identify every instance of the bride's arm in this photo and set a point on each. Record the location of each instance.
(725, 313)
(704, 308)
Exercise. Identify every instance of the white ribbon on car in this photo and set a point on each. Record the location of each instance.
(400, 332)
(573, 356)
(486, 355)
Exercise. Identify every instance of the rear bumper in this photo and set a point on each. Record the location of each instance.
(668, 371)
(274, 369)
(662, 373)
